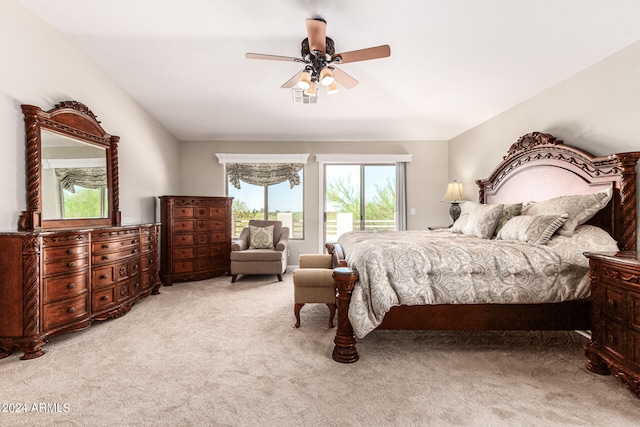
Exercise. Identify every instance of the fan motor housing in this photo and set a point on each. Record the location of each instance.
(329, 47)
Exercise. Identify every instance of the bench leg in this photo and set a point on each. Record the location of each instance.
(332, 313)
(296, 311)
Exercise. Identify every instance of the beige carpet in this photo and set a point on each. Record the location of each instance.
(211, 353)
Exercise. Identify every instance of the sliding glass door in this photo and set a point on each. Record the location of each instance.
(358, 197)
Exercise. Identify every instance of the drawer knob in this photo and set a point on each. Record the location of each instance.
(133, 251)
(611, 303)
(71, 310)
(137, 285)
(104, 276)
(71, 264)
(104, 298)
(105, 246)
(105, 257)
(71, 251)
(610, 338)
(71, 285)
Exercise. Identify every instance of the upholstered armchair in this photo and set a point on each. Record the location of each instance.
(261, 248)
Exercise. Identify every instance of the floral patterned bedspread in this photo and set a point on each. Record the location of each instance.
(439, 267)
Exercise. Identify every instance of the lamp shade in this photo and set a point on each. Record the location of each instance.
(454, 193)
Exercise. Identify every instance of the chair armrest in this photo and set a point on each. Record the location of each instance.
(242, 242)
(316, 261)
(284, 240)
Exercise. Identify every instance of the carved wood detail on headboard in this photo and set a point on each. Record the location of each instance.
(538, 149)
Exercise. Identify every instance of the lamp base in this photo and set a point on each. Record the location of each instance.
(454, 211)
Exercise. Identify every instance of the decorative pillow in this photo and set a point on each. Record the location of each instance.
(482, 221)
(261, 237)
(508, 212)
(458, 226)
(580, 208)
(536, 229)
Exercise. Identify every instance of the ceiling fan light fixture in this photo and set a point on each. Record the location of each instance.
(326, 76)
(304, 82)
(311, 91)
(332, 88)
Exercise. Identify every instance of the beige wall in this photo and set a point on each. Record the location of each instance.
(597, 110)
(40, 67)
(202, 175)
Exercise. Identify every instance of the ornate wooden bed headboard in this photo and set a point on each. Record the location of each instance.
(538, 166)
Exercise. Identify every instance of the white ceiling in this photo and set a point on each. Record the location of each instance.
(453, 64)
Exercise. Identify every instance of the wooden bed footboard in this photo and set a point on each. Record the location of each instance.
(569, 315)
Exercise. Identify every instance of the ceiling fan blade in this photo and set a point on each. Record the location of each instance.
(317, 33)
(364, 54)
(343, 78)
(272, 57)
(292, 81)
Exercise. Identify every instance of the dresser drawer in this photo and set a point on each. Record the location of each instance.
(64, 287)
(123, 291)
(614, 303)
(65, 311)
(183, 266)
(68, 265)
(218, 225)
(103, 299)
(64, 252)
(107, 246)
(104, 276)
(147, 261)
(183, 239)
(202, 212)
(184, 225)
(184, 252)
(615, 339)
(149, 278)
(109, 257)
(183, 212)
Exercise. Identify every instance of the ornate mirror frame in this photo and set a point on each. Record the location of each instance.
(76, 121)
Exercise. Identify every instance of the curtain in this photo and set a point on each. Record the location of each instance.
(401, 196)
(95, 178)
(264, 174)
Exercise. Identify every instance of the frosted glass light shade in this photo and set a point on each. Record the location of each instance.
(326, 77)
(311, 90)
(332, 88)
(305, 80)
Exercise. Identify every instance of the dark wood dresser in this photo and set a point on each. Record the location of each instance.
(615, 335)
(196, 237)
(56, 281)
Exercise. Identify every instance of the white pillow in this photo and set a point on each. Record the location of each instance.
(536, 229)
(482, 221)
(458, 226)
(580, 208)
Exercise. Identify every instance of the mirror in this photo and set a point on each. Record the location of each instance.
(72, 167)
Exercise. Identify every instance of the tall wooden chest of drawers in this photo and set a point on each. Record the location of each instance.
(56, 281)
(615, 335)
(196, 237)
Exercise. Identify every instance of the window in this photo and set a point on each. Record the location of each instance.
(362, 192)
(270, 188)
(273, 202)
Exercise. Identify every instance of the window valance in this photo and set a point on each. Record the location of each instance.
(263, 169)
(264, 174)
(94, 178)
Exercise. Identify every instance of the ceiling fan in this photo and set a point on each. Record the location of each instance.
(318, 55)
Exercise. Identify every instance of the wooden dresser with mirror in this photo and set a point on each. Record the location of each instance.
(71, 262)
